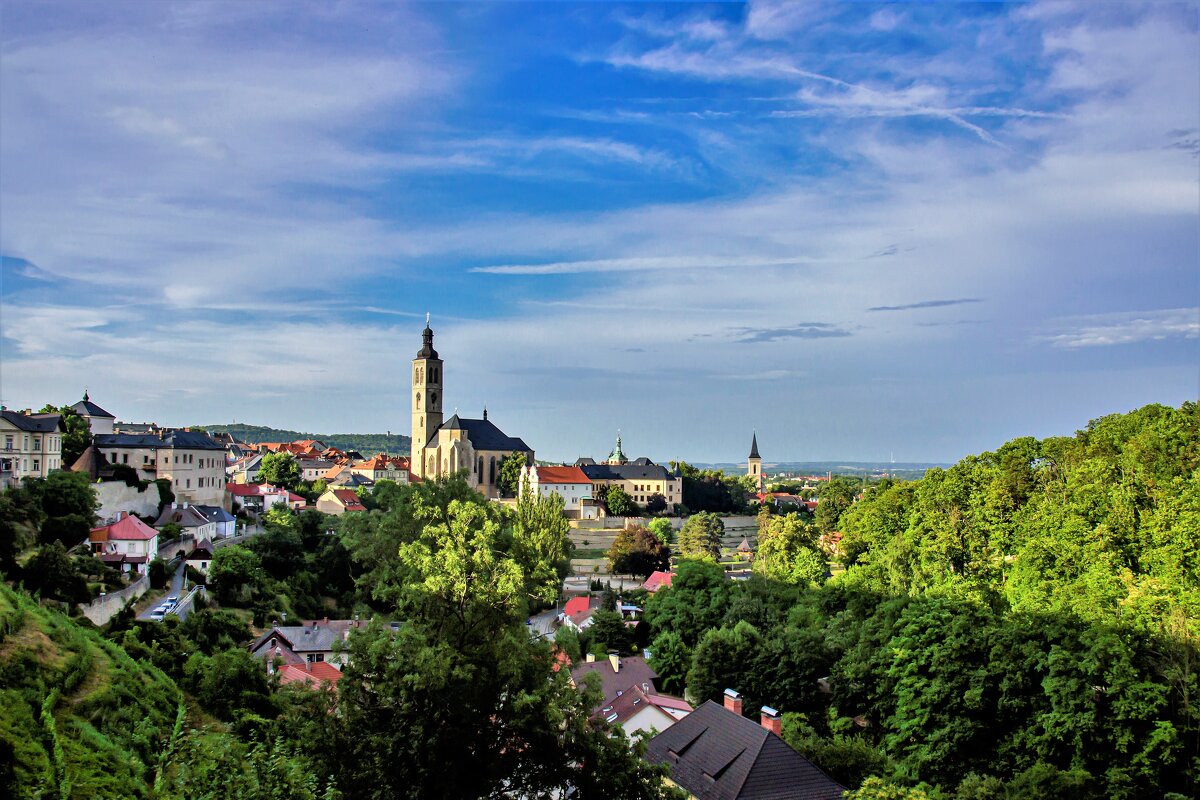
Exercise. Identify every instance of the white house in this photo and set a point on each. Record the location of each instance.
(128, 542)
(569, 483)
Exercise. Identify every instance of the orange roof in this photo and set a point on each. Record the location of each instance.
(318, 673)
(562, 475)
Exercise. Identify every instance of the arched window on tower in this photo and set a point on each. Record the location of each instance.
(417, 400)
(433, 401)
(479, 470)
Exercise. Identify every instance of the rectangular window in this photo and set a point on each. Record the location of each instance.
(37, 465)
(125, 458)
(189, 483)
(8, 443)
(37, 443)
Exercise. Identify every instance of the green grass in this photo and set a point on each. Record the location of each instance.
(593, 552)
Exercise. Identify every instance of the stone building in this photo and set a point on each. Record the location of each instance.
(442, 447)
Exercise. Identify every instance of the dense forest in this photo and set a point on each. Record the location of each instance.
(1023, 624)
(366, 443)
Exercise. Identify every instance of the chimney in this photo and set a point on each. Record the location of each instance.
(615, 660)
(771, 721)
(733, 701)
(591, 658)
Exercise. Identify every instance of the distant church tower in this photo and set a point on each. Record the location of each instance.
(427, 399)
(617, 458)
(754, 463)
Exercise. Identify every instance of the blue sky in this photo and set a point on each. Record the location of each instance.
(861, 229)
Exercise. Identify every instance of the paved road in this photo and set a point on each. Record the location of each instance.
(176, 589)
(542, 625)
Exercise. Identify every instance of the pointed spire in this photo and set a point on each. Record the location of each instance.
(485, 413)
(754, 446)
(85, 395)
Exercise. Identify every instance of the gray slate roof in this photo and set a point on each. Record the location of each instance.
(484, 434)
(184, 440)
(718, 755)
(627, 472)
(86, 408)
(34, 423)
(214, 513)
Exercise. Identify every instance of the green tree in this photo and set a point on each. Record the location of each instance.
(458, 700)
(618, 502)
(662, 529)
(279, 469)
(234, 574)
(608, 632)
(837, 495)
(158, 572)
(656, 504)
(670, 658)
(787, 550)
(509, 479)
(52, 573)
(637, 551)
(541, 545)
(696, 601)
(701, 535)
(229, 683)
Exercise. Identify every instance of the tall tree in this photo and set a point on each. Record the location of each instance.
(701, 535)
(637, 551)
(279, 469)
(509, 479)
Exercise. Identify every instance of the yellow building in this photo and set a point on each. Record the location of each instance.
(444, 447)
(641, 478)
(30, 445)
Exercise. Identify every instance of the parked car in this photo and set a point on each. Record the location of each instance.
(157, 614)
(173, 599)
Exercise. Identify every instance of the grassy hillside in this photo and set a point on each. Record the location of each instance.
(366, 443)
(79, 718)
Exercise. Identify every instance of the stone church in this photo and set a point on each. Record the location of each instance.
(443, 447)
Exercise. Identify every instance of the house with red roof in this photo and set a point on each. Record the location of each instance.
(260, 497)
(384, 468)
(577, 613)
(339, 501)
(316, 675)
(639, 710)
(569, 483)
(658, 580)
(127, 543)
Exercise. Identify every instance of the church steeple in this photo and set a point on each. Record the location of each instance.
(754, 463)
(427, 400)
(616, 457)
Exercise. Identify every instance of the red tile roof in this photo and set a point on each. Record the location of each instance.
(127, 529)
(349, 499)
(658, 580)
(318, 673)
(578, 604)
(562, 475)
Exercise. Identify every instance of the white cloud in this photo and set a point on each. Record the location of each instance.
(1131, 327)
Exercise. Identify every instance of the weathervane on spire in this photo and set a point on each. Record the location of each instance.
(426, 319)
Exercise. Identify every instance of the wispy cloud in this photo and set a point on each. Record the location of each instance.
(801, 330)
(1106, 330)
(638, 264)
(928, 304)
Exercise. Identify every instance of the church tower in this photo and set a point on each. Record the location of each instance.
(427, 399)
(754, 464)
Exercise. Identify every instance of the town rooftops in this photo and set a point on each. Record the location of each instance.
(580, 603)
(484, 435)
(201, 552)
(717, 754)
(561, 475)
(635, 699)
(629, 671)
(182, 515)
(34, 423)
(317, 636)
(214, 513)
(178, 439)
(86, 408)
(128, 528)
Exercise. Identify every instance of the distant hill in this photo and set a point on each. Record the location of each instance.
(366, 443)
(907, 470)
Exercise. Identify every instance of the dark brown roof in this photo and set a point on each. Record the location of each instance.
(718, 755)
(634, 671)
